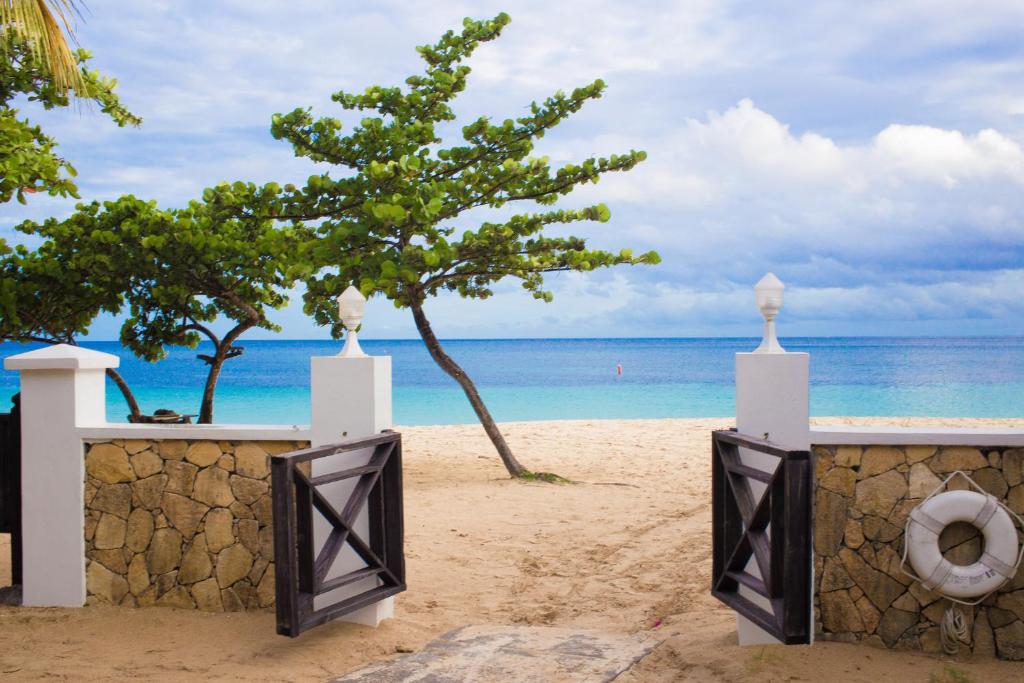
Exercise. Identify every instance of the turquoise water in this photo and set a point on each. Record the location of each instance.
(546, 379)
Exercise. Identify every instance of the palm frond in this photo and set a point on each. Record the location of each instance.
(38, 22)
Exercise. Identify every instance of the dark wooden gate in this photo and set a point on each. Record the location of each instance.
(301, 574)
(774, 529)
(10, 484)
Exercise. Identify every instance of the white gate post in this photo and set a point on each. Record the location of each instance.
(62, 389)
(772, 404)
(351, 399)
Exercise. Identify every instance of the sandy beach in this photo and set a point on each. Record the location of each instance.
(626, 549)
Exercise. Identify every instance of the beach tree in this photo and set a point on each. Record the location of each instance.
(37, 297)
(29, 162)
(182, 273)
(53, 293)
(410, 216)
(221, 258)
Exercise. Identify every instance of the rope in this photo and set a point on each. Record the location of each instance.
(953, 630)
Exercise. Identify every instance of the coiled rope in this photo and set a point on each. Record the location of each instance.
(953, 630)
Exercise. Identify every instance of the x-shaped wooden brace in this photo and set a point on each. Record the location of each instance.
(756, 515)
(313, 571)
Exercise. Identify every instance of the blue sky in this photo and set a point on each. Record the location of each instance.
(867, 153)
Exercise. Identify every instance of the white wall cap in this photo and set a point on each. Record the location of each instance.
(849, 435)
(211, 432)
(62, 357)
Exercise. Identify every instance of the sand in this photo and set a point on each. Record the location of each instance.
(626, 550)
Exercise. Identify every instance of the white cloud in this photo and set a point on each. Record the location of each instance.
(871, 156)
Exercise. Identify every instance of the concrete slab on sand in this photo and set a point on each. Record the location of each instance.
(512, 654)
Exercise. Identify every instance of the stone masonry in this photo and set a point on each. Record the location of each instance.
(179, 523)
(863, 496)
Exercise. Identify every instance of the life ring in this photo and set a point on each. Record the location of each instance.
(998, 562)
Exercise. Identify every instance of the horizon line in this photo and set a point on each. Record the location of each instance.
(642, 338)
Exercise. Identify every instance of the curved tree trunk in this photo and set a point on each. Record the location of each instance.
(459, 375)
(206, 407)
(223, 350)
(129, 397)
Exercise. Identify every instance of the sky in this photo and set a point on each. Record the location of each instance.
(869, 153)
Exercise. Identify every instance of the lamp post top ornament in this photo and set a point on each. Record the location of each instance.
(768, 293)
(351, 307)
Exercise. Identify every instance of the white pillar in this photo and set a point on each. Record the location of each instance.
(62, 389)
(351, 398)
(772, 404)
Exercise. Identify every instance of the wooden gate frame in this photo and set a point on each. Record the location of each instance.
(301, 573)
(10, 484)
(740, 530)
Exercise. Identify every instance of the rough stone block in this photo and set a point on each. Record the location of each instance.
(176, 597)
(212, 488)
(148, 492)
(110, 532)
(207, 596)
(138, 575)
(839, 480)
(922, 481)
(248, 490)
(113, 498)
(265, 590)
(1012, 602)
(251, 461)
(953, 458)
(834, 577)
(879, 494)
(919, 453)
(879, 587)
(111, 559)
(183, 513)
(140, 530)
(233, 564)
(173, 449)
(164, 551)
(983, 641)
(991, 481)
(869, 614)
(109, 464)
(219, 531)
(1010, 641)
(104, 583)
(203, 453)
(878, 459)
(1013, 466)
(829, 522)
(894, 623)
(195, 563)
(181, 477)
(146, 464)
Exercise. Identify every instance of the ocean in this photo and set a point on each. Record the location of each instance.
(551, 379)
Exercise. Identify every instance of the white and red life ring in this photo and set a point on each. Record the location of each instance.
(997, 564)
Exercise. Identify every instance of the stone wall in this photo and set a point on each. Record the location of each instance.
(180, 523)
(862, 499)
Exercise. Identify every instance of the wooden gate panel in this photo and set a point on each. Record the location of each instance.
(301, 571)
(773, 530)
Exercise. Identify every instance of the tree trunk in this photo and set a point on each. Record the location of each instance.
(206, 407)
(460, 376)
(129, 397)
(222, 351)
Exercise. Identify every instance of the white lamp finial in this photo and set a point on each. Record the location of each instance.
(351, 306)
(769, 299)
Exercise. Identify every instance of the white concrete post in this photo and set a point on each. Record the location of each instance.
(351, 398)
(771, 403)
(62, 389)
